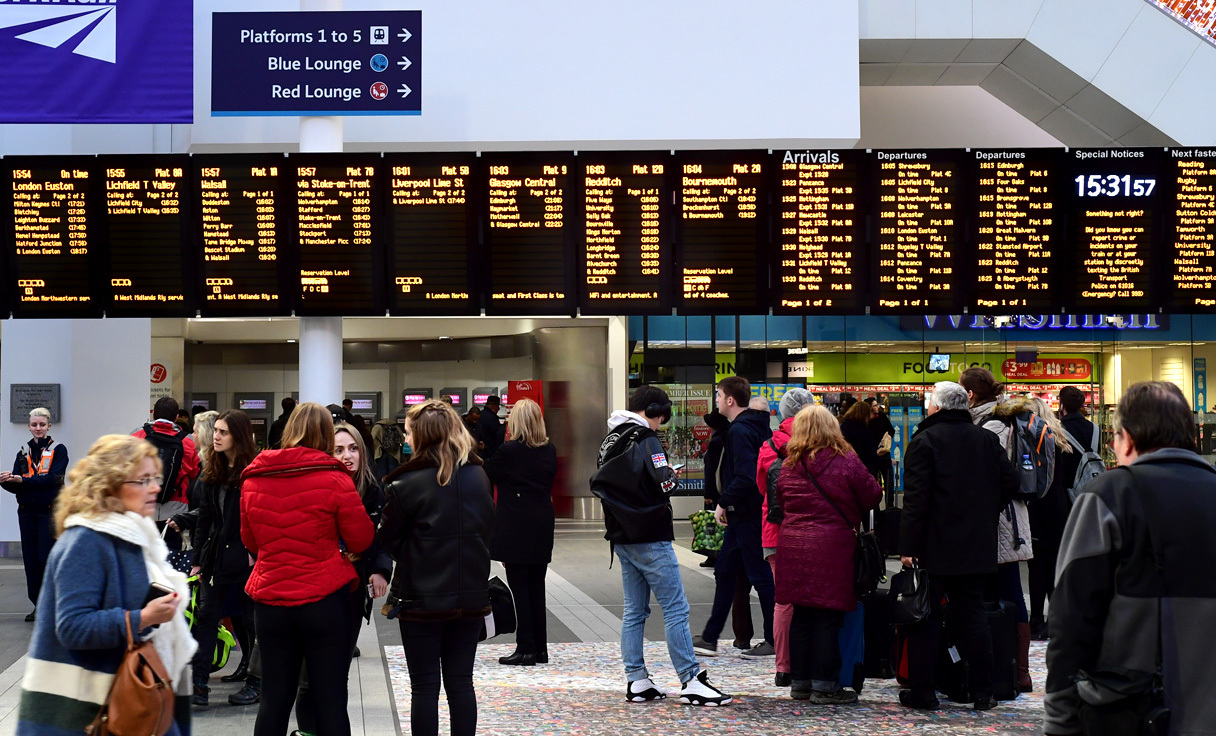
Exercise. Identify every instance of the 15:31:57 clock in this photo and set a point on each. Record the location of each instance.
(1113, 185)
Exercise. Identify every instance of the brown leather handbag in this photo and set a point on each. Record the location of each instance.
(140, 702)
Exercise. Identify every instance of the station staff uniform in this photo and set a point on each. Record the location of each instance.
(41, 468)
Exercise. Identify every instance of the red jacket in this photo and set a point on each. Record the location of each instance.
(816, 548)
(296, 504)
(769, 531)
(190, 464)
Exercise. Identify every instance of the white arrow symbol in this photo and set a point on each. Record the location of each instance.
(404, 63)
(404, 90)
(405, 35)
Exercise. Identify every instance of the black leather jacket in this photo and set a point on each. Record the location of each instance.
(440, 539)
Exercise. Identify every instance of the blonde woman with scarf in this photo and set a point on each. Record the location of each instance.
(102, 569)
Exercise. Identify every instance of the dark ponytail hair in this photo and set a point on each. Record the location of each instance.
(981, 384)
(244, 449)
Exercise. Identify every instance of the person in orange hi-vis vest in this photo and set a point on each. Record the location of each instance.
(36, 479)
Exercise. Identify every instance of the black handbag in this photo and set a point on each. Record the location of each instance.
(1121, 702)
(909, 596)
(501, 618)
(868, 567)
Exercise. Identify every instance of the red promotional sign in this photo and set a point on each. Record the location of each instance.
(1049, 369)
(701, 431)
(159, 373)
(526, 390)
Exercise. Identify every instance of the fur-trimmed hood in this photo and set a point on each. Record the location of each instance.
(1012, 406)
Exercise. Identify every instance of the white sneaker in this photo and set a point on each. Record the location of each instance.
(698, 691)
(642, 691)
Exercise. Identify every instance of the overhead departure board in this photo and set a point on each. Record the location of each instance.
(1191, 236)
(1116, 198)
(626, 244)
(530, 209)
(819, 226)
(337, 230)
(1017, 227)
(152, 266)
(54, 242)
(242, 225)
(433, 242)
(722, 237)
(919, 226)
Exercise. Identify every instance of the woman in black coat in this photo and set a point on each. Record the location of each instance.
(854, 427)
(523, 469)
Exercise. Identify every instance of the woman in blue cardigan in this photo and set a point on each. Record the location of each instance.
(108, 555)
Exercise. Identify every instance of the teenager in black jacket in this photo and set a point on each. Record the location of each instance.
(634, 481)
(523, 469)
(437, 522)
(374, 565)
(221, 560)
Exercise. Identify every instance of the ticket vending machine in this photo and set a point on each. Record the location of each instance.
(366, 404)
(409, 397)
(459, 396)
(260, 409)
(208, 401)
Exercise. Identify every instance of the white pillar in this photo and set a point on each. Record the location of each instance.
(321, 337)
(102, 368)
(618, 363)
(321, 360)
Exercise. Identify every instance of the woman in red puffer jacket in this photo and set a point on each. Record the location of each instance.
(303, 520)
(816, 548)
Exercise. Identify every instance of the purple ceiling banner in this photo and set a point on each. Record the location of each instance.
(96, 61)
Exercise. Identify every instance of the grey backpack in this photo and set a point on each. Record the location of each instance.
(1090, 466)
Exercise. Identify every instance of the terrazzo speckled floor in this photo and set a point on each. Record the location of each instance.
(581, 692)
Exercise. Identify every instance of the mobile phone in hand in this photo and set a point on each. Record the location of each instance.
(157, 590)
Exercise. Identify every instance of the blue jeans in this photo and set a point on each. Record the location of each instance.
(652, 567)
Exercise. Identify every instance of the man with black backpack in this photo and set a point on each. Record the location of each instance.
(178, 457)
(1074, 470)
(634, 481)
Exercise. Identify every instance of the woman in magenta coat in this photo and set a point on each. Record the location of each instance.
(816, 548)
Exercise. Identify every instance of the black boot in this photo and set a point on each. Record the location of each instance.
(242, 670)
(519, 658)
(542, 657)
(248, 695)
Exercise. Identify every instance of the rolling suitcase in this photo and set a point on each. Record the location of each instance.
(953, 672)
(852, 649)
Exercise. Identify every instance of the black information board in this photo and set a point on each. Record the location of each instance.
(337, 228)
(919, 223)
(52, 219)
(1190, 238)
(625, 253)
(1017, 229)
(820, 259)
(530, 208)
(1115, 196)
(432, 219)
(148, 201)
(242, 226)
(722, 240)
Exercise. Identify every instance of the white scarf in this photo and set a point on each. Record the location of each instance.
(172, 640)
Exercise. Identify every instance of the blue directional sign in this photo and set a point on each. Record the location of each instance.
(316, 63)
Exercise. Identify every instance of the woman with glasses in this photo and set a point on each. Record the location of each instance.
(374, 565)
(300, 516)
(437, 521)
(36, 479)
(108, 568)
(221, 560)
(523, 470)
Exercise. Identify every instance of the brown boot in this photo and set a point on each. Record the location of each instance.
(1024, 683)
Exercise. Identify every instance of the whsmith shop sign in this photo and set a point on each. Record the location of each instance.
(1036, 322)
(897, 368)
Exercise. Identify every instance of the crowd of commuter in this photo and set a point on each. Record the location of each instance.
(163, 533)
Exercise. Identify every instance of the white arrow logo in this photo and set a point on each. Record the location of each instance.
(404, 63)
(405, 35)
(404, 90)
(69, 21)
